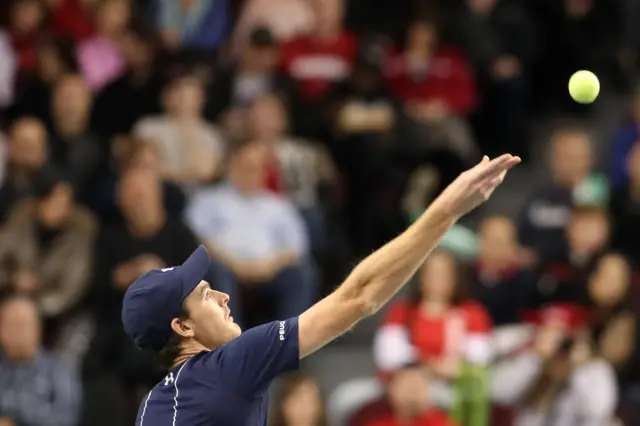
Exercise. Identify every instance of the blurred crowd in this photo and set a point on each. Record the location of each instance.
(292, 138)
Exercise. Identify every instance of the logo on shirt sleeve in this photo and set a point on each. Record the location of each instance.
(281, 330)
(168, 380)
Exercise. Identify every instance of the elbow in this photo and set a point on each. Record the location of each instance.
(362, 303)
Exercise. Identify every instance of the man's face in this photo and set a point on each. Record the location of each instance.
(185, 98)
(27, 144)
(267, 117)
(137, 52)
(139, 193)
(54, 210)
(247, 169)
(571, 157)
(263, 58)
(26, 16)
(209, 316)
(113, 16)
(71, 99)
(422, 36)
(20, 329)
(588, 232)
(497, 240)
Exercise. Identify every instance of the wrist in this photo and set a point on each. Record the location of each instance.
(442, 211)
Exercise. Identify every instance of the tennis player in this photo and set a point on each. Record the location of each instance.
(220, 376)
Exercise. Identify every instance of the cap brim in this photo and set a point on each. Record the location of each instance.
(194, 269)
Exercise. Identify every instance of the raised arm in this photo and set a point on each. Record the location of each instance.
(378, 277)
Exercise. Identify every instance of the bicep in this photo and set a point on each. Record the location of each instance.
(327, 320)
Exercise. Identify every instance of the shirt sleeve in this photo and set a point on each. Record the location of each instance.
(254, 359)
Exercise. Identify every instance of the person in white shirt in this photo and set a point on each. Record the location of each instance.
(190, 148)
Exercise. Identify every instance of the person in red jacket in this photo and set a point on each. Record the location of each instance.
(439, 327)
(324, 57)
(407, 403)
(437, 85)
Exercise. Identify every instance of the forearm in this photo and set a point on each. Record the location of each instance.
(377, 278)
(373, 282)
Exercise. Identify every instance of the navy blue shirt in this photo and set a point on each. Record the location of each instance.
(227, 386)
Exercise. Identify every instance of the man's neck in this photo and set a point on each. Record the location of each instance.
(71, 127)
(189, 350)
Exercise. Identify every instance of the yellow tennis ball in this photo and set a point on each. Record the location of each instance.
(584, 87)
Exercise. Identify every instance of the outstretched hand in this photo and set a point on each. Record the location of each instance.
(474, 186)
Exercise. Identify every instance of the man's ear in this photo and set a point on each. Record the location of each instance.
(182, 328)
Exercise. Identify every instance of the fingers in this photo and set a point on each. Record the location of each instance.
(488, 170)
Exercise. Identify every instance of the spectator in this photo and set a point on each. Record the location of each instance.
(614, 321)
(254, 75)
(56, 58)
(198, 25)
(437, 86)
(26, 25)
(299, 403)
(297, 168)
(408, 402)
(438, 327)
(38, 388)
(324, 57)
(73, 147)
(500, 40)
(271, 14)
(563, 279)
(72, 19)
(625, 137)
(190, 148)
(363, 115)
(256, 238)
(560, 380)
(500, 284)
(546, 214)
(135, 94)
(100, 57)
(27, 153)
(624, 207)
(149, 238)
(130, 152)
(8, 71)
(47, 246)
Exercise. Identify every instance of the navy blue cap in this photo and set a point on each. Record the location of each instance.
(155, 299)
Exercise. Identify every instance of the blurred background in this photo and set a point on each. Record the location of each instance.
(293, 137)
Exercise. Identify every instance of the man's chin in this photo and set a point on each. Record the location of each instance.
(236, 330)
